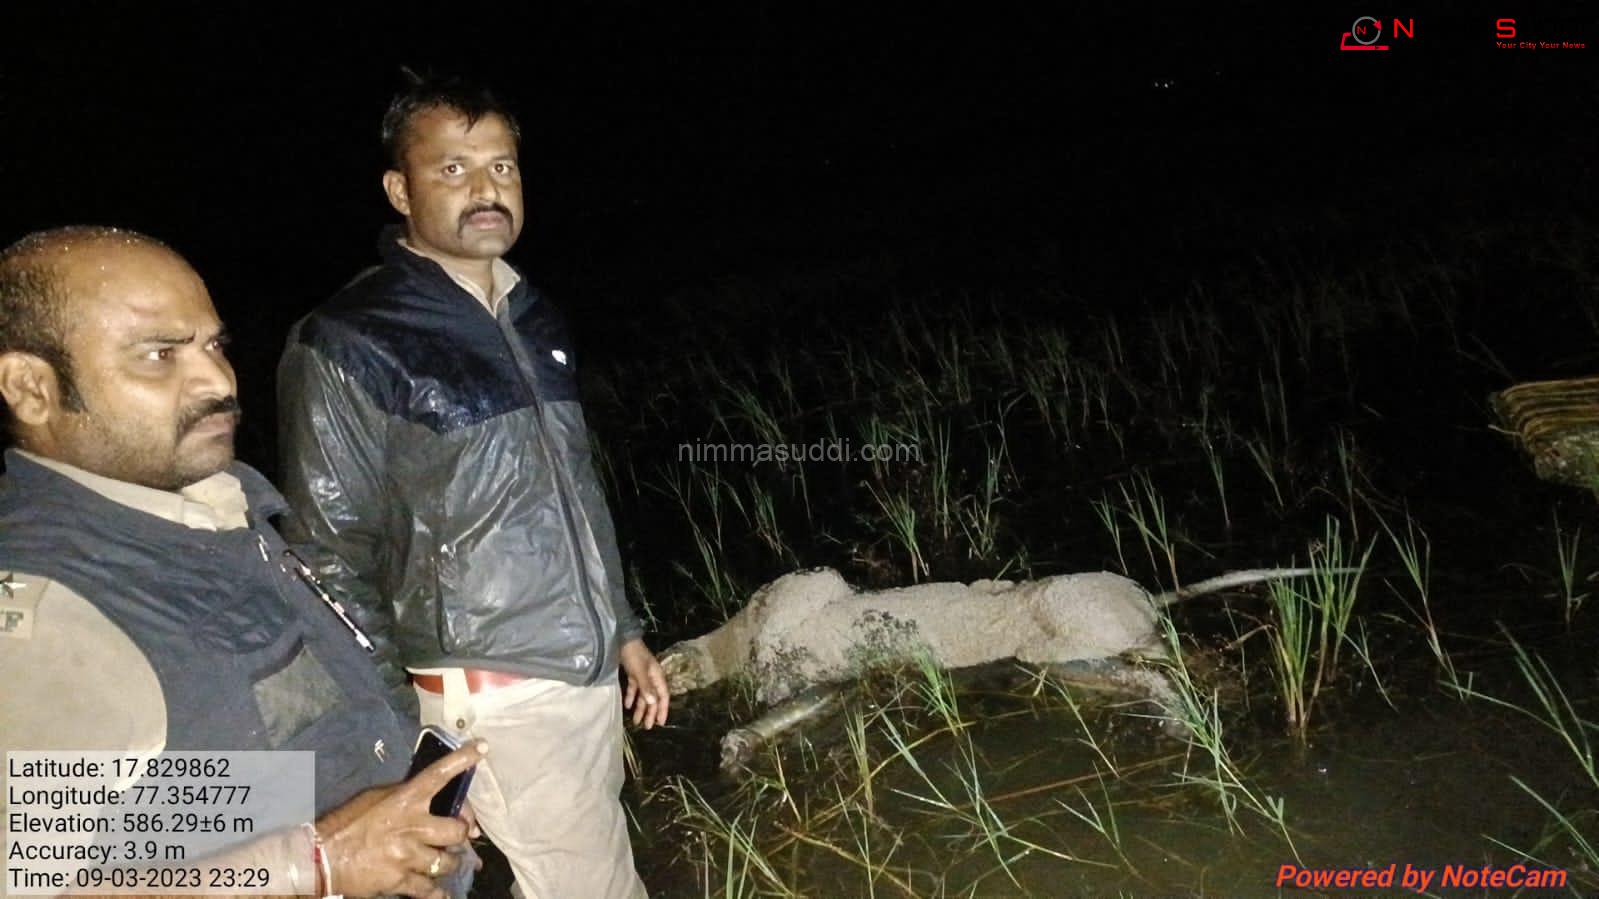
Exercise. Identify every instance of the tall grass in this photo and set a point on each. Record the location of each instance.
(725, 850)
(1265, 460)
(1311, 624)
(1555, 711)
(1143, 506)
(1567, 551)
(1415, 554)
(978, 510)
(1103, 822)
(1218, 474)
(1553, 707)
(1025, 418)
(1293, 636)
(1106, 512)
(899, 513)
(1198, 713)
(694, 489)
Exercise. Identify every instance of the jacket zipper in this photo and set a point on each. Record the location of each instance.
(524, 366)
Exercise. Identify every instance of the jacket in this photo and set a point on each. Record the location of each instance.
(246, 655)
(442, 480)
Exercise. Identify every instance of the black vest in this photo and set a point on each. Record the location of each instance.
(247, 656)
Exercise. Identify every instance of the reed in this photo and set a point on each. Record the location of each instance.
(1567, 549)
(1197, 713)
(899, 513)
(1415, 555)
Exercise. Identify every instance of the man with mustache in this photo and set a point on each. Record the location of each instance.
(434, 448)
(146, 604)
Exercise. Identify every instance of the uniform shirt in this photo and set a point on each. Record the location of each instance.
(505, 279)
(77, 682)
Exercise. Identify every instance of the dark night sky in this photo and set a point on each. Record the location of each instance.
(670, 144)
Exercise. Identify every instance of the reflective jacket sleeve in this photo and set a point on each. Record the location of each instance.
(331, 442)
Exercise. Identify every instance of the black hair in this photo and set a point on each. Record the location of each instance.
(33, 307)
(424, 92)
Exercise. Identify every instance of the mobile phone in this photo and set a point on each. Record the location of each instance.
(432, 744)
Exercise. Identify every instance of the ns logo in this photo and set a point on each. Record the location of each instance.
(1366, 31)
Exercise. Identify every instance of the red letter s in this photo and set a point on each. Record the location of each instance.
(1506, 28)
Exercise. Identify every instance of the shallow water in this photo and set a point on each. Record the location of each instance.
(1420, 786)
(1390, 360)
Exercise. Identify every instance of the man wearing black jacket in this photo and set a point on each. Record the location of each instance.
(435, 451)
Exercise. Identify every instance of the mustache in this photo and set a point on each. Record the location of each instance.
(486, 207)
(195, 414)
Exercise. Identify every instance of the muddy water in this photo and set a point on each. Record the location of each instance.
(1421, 786)
(1424, 783)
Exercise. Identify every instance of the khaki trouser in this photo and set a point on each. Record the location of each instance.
(548, 793)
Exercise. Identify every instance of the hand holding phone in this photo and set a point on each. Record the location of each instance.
(370, 842)
(432, 744)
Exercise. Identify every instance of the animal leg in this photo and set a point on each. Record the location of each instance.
(740, 743)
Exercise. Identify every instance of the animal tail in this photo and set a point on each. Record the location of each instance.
(1239, 579)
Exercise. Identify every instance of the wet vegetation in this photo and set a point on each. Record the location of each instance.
(1320, 399)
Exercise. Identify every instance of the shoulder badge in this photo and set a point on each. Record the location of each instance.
(19, 598)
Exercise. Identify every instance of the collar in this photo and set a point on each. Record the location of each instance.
(395, 248)
(217, 503)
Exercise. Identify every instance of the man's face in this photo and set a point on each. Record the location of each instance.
(461, 189)
(159, 405)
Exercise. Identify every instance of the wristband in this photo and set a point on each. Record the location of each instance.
(324, 867)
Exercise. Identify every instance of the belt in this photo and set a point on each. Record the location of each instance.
(478, 680)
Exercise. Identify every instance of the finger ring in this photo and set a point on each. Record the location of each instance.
(437, 867)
